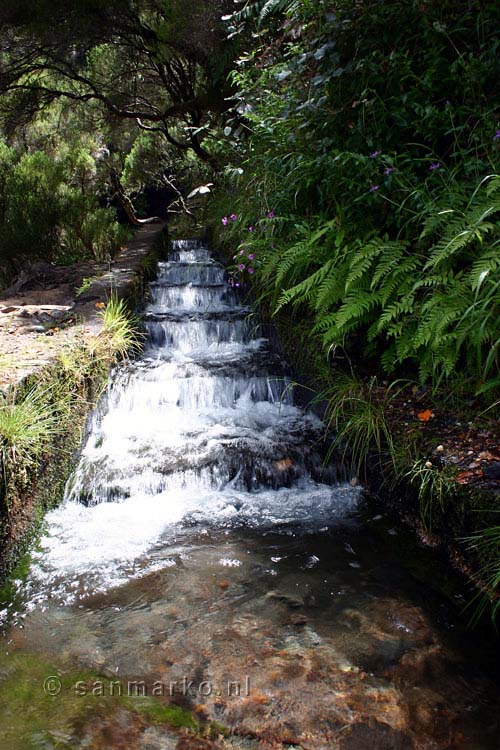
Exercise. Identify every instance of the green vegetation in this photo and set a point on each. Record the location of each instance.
(346, 159)
(362, 199)
(86, 284)
(174, 716)
(369, 182)
(119, 336)
(49, 211)
(31, 718)
(41, 423)
(357, 418)
(107, 111)
(26, 424)
(8, 590)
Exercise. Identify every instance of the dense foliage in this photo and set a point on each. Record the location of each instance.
(103, 104)
(368, 178)
(160, 64)
(48, 210)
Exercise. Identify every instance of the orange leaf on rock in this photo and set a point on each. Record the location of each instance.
(100, 305)
(425, 415)
(464, 476)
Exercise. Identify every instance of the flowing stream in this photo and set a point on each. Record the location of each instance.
(208, 581)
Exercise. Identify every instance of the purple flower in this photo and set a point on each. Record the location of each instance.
(435, 165)
(234, 217)
(250, 229)
(241, 267)
(374, 188)
(250, 270)
(271, 215)
(496, 137)
(250, 256)
(234, 257)
(241, 252)
(389, 170)
(225, 221)
(374, 154)
(237, 284)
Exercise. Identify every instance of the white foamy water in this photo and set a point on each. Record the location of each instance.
(187, 298)
(201, 432)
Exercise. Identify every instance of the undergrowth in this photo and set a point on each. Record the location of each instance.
(362, 195)
(27, 422)
(37, 415)
(356, 416)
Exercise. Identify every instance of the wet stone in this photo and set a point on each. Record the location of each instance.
(204, 547)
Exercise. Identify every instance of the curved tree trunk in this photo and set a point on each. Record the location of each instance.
(127, 205)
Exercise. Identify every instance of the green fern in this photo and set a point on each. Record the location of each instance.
(305, 290)
(466, 229)
(262, 10)
(487, 263)
(435, 307)
(275, 7)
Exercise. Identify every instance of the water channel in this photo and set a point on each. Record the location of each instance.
(210, 582)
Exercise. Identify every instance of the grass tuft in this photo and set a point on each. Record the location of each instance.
(356, 413)
(434, 485)
(27, 422)
(119, 336)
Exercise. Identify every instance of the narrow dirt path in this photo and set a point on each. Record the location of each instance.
(51, 306)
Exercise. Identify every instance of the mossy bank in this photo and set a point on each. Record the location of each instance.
(43, 416)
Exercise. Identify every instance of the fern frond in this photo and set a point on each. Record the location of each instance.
(483, 266)
(391, 254)
(300, 256)
(304, 291)
(471, 227)
(274, 7)
(355, 307)
(404, 306)
(362, 260)
(331, 288)
(399, 280)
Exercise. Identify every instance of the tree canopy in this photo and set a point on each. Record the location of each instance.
(162, 64)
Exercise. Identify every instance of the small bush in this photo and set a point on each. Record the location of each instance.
(45, 215)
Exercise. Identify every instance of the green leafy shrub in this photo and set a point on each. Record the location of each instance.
(45, 214)
(368, 179)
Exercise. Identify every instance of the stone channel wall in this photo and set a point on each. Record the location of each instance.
(38, 340)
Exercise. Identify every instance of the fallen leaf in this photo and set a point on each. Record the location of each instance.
(464, 476)
(424, 416)
(100, 305)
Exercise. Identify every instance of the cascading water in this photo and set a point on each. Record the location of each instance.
(201, 430)
(204, 543)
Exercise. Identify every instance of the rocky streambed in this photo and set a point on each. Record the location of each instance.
(208, 583)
